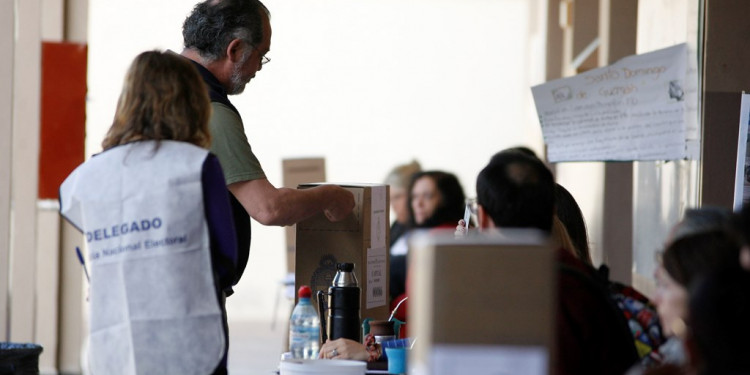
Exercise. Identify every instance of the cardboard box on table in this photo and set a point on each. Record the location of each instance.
(482, 304)
(296, 172)
(362, 238)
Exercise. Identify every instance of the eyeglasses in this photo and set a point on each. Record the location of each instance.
(263, 59)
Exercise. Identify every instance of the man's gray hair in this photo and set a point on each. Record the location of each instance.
(213, 24)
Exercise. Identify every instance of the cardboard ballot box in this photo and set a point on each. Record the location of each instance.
(362, 238)
(298, 171)
(482, 304)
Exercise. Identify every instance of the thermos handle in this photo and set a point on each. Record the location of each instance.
(322, 313)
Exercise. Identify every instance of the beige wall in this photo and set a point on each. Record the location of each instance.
(7, 26)
(24, 173)
(32, 273)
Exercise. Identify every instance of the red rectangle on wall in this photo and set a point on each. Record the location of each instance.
(63, 117)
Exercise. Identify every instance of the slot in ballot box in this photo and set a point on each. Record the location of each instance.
(482, 304)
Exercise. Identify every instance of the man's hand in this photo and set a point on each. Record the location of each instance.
(340, 204)
(284, 206)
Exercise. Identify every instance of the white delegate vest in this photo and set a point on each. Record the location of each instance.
(154, 308)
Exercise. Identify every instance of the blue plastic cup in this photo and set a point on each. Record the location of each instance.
(396, 360)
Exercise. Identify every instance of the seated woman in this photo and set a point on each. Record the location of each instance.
(719, 328)
(436, 200)
(568, 213)
(700, 244)
(398, 180)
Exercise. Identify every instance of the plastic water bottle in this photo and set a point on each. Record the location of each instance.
(304, 327)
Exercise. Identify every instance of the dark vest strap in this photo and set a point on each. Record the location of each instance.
(215, 89)
(242, 227)
(241, 218)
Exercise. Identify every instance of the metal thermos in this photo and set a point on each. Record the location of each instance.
(342, 319)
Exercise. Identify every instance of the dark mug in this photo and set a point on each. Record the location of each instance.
(382, 330)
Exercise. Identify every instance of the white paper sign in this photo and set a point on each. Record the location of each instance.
(378, 219)
(634, 109)
(488, 360)
(376, 266)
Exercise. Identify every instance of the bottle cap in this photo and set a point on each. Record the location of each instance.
(344, 276)
(346, 267)
(304, 292)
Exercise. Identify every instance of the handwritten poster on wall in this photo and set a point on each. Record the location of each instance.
(635, 109)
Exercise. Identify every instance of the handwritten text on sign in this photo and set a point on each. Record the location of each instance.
(634, 109)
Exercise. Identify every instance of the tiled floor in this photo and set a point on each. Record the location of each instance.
(255, 348)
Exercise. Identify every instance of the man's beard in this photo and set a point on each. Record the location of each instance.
(237, 84)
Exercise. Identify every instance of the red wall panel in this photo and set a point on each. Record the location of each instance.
(63, 116)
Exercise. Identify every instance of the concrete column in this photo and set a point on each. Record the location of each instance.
(618, 22)
(603, 190)
(24, 168)
(53, 20)
(76, 21)
(46, 315)
(556, 27)
(585, 31)
(72, 308)
(72, 302)
(7, 26)
(725, 75)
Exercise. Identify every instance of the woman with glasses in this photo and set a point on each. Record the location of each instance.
(698, 245)
(436, 200)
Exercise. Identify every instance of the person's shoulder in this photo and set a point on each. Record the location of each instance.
(183, 146)
(223, 110)
(567, 259)
(223, 119)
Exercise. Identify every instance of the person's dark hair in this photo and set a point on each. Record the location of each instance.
(522, 149)
(452, 199)
(213, 24)
(163, 98)
(570, 215)
(689, 257)
(517, 190)
(703, 219)
(741, 223)
(719, 306)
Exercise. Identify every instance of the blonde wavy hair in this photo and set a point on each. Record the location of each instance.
(163, 98)
(561, 239)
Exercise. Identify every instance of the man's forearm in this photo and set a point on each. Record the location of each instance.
(284, 206)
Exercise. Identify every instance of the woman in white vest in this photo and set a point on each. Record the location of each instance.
(158, 226)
